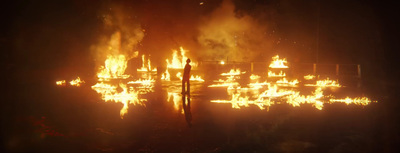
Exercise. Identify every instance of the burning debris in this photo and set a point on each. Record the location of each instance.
(269, 93)
(76, 82)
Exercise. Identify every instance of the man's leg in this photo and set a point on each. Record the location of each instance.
(183, 87)
(188, 88)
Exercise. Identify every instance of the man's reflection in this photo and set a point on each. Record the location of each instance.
(186, 109)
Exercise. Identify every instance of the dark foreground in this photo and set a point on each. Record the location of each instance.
(40, 117)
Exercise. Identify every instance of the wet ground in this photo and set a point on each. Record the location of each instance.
(41, 117)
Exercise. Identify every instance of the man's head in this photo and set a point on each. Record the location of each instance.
(188, 61)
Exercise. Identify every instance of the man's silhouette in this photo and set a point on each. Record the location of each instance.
(186, 77)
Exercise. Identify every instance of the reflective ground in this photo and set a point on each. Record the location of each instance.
(41, 117)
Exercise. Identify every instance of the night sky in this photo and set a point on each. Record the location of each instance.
(44, 40)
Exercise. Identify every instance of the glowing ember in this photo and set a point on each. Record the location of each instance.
(273, 74)
(309, 77)
(77, 82)
(61, 83)
(278, 63)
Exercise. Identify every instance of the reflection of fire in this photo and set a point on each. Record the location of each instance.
(77, 82)
(278, 63)
(109, 93)
(359, 101)
(61, 83)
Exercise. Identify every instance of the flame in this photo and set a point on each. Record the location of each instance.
(263, 97)
(145, 68)
(179, 61)
(325, 83)
(192, 77)
(114, 68)
(309, 77)
(285, 82)
(222, 62)
(254, 77)
(166, 76)
(273, 74)
(233, 72)
(144, 82)
(61, 83)
(278, 63)
(77, 82)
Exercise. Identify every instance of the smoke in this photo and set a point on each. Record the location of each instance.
(226, 34)
(121, 35)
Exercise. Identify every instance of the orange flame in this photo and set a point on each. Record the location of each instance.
(278, 63)
(61, 83)
(273, 74)
(77, 82)
(114, 68)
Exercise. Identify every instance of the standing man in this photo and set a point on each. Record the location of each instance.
(186, 77)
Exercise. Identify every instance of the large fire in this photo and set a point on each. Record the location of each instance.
(114, 68)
